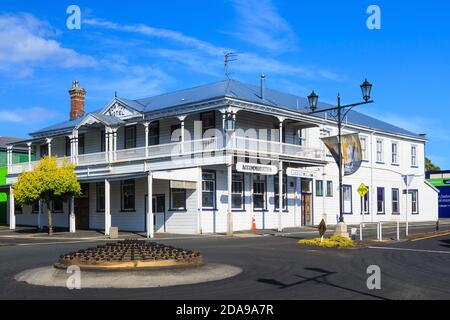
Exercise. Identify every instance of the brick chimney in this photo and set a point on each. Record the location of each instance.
(76, 100)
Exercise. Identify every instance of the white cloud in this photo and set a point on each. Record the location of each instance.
(260, 24)
(27, 115)
(25, 42)
(206, 58)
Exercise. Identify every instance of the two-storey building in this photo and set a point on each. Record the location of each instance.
(220, 157)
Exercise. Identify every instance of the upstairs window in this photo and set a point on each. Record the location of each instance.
(365, 156)
(102, 141)
(414, 156)
(380, 155)
(394, 153)
(208, 120)
(130, 137)
(174, 128)
(153, 133)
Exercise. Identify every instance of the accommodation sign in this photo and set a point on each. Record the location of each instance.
(299, 173)
(256, 168)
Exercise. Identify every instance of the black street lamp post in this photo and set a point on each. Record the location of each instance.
(366, 88)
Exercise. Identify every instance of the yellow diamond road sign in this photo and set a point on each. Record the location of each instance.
(362, 190)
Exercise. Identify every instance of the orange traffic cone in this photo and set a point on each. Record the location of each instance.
(253, 223)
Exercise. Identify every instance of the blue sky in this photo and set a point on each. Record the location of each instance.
(143, 48)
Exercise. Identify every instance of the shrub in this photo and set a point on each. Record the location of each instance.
(332, 242)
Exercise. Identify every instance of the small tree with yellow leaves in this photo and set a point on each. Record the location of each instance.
(47, 182)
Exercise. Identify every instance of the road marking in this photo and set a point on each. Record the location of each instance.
(433, 236)
(412, 250)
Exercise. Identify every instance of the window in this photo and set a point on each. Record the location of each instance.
(259, 192)
(414, 156)
(380, 156)
(301, 137)
(237, 191)
(173, 128)
(18, 209)
(81, 144)
(153, 133)
(208, 189)
(380, 200)
(68, 147)
(277, 190)
(365, 203)
(102, 141)
(364, 148)
(100, 189)
(319, 188)
(329, 189)
(128, 195)
(347, 195)
(208, 120)
(35, 207)
(130, 137)
(394, 153)
(395, 201)
(177, 199)
(43, 150)
(414, 201)
(57, 206)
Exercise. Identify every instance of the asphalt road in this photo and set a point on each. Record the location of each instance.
(274, 268)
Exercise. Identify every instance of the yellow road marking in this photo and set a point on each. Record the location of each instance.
(433, 236)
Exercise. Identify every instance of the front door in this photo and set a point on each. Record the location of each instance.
(82, 208)
(306, 209)
(159, 212)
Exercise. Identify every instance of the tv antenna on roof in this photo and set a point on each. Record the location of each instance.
(227, 58)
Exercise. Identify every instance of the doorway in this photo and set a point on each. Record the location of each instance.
(306, 188)
(81, 206)
(159, 212)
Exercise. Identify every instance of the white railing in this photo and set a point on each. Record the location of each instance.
(238, 145)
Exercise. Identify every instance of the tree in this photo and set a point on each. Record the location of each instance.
(429, 166)
(47, 182)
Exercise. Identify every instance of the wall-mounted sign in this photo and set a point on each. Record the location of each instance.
(299, 173)
(175, 184)
(256, 168)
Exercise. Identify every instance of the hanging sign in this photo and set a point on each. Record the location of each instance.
(351, 151)
(256, 168)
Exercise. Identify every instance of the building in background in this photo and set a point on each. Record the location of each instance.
(441, 180)
(223, 156)
(19, 155)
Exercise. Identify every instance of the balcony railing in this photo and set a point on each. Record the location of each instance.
(240, 146)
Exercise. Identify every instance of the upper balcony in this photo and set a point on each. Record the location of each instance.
(208, 147)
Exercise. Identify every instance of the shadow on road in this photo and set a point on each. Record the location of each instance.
(322, 278)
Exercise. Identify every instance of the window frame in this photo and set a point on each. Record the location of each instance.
(171, 191)
(102, 141)
(396, 162)
(127, 138)
(154, 133)
(321, 193)
(124, 183)
(212, 118)
(380, 153)
(173, 128)
(365, 156)
(365, 201)
(285, 192)
(214, 191)
(414, 158)
(416, 192)
(384, 201)
(343, 199)
(241, 194)
(329, 189)
(33, 211)
(59, 210)
(395, 190)
(262, 179)
(99, 192)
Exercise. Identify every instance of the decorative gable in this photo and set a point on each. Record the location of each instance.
(120, 111)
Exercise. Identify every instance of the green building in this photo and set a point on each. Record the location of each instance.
(19, 155)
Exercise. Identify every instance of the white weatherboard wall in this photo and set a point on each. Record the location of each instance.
(184, 222)
(216, 220)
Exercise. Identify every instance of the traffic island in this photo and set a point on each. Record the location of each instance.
(128, 264)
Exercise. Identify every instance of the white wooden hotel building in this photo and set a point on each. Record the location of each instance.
(212, 158)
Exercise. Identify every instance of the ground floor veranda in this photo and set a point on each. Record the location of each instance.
(185, 201)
